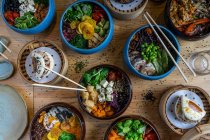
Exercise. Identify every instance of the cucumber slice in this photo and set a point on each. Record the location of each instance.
(106, 26)
(97, 29)
(101, 23)
(102, 33)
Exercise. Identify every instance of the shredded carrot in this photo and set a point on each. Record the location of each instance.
(114, 136)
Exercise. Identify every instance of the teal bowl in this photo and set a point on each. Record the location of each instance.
(171, 37)
(101, 46)
(40, 27)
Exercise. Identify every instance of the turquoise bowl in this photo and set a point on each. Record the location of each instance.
(171, 37)
(99, 48)
(40, 27)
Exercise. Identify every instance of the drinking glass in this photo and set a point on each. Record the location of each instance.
(200, 62)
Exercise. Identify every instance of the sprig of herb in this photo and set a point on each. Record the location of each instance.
(79, 66)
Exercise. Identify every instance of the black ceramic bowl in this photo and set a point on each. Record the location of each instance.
(135, 117)
(127, 86)
(36, 129)
(172, 27)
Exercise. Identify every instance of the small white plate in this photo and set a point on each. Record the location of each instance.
(13, 114)
(51, 76)
(170, 112)
(126, 7)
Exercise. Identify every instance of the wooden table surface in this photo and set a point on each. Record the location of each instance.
(38, 97)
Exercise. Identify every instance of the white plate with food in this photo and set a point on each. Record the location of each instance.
(40, 57)
(184, 119)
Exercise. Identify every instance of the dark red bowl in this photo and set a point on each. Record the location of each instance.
(129, 90)
(136, 117)
(172, 27)
(36, 128)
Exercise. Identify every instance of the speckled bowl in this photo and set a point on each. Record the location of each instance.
(172, 27)
(6, 69)
(136, 117)
(36, 128)
(129, 90)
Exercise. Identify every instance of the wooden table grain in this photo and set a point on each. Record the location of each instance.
(38, 97)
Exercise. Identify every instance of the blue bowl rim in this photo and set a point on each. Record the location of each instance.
(51, 2)
(127, 45)
(99, 47)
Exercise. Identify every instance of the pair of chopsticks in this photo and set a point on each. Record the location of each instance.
(150, 24)
(59, 87)
(6, 49)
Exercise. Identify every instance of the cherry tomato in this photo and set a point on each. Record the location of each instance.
(9, 16)
(151, 136)
(112, 76)
(96, 17)
(15, 15)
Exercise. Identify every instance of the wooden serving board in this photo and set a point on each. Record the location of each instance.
(38, 97)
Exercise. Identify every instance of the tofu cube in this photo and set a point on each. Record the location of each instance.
(109, 90)
(31, 2)
(111, 84)
(21, 13)
(21, 1)
(98, 87)
(101, 98)
(109, 97)
(31, 8)
(102, 90)
(23, 8)
(104, 83)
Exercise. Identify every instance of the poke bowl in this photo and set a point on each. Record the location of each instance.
(57, 121)
(132, 127)
(146, 57)
(109, 92)
(86, 27)
(28, 16)
(189, 23)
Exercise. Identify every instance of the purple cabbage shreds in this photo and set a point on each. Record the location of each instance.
(120, 99)
(68, 33)
(114, 104)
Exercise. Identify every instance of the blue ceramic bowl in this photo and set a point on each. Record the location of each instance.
(103, 45)
(172, 38)
(40, 27)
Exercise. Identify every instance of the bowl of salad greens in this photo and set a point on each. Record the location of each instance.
(109, 92)
(146, 57)
(132, 127)
(28, 16)
(86, 27)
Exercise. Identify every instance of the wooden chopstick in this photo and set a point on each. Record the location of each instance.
(58, 87)
(183, 75)
(5, 46)
(190, 68)
(65, 77)
(4, 56)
